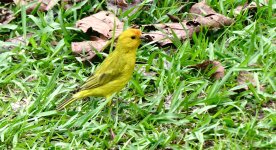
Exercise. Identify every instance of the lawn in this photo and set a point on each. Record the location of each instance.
(166, 105)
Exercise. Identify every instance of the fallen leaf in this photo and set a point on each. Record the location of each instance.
(69, 3)
(102, 22)
(5, 16)
(162, 33)
(201, 9)
(168, 101)
(51, 4)
(111, 20)
(45, 5)
(173, 18)
(112, 134)
(245, 77)
(208, 144)
(17, 41)
(251, 7)
(238, 10)
(158, 36)
(20, 104)
(121, 3)
(210, 65)
(270, 103)
(106, 24)
(116, 5)
(214, 21)
(89, 48)
(143, 71)
(207, 17)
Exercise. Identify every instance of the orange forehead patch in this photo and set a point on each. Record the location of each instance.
(135, 31)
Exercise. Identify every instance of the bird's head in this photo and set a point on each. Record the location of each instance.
(130, 38)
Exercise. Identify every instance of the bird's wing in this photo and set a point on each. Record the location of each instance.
(99, 79)
(109, 70)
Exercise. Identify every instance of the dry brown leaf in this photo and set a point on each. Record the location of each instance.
(183, 31)
(88, 48)
(251, 7)
(19, 40)
(245, 77)
(121, 3)
(238, 10)
(158, 36)
(20, 104)
(210, 65)
(201, 9)
(111, 20)
(5, 16)
(69, 3)
(214, 21)
(115, 5)
(162, 33)
(143, 71)
(112, 134)
(168, 101)
(51, 4)
(102, 22)
(45, 5)
(94, 23)
(206, 16)
(173, 18)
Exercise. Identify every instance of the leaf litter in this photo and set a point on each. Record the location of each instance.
(117, 5)
(87, 49)
(44, 5)
(17, 41)
(107, 24)
(250, 7)
(21, 104)
(216, 67)
(245, 77)
(202, 16)
(104, 23)
(5, 16)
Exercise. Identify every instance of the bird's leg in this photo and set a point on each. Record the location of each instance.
(109, 99)
(109, 112)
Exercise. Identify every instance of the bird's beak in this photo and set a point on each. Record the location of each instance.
(142, 37)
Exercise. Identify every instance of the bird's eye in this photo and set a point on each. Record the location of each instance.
(132, 37)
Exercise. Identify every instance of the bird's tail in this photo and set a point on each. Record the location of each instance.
(63, 104)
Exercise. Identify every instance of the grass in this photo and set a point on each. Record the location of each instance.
(172, 107)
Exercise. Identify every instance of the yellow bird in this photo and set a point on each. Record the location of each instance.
(115, 71)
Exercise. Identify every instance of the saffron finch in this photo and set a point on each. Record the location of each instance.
(114, 72)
